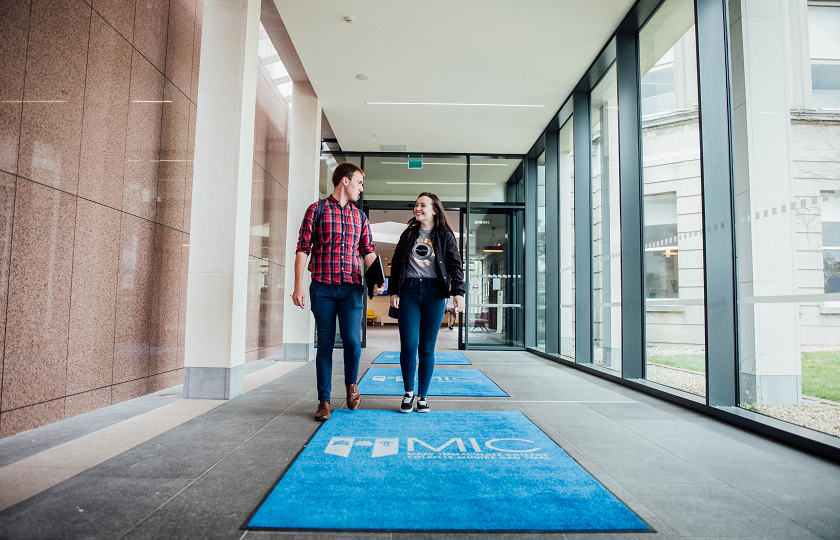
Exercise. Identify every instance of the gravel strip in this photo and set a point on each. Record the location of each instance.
(820, 415)
(681, 379)
(823, 417)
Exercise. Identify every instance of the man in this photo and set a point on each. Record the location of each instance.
(335, 241)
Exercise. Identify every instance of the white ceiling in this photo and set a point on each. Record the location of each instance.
(445, 51)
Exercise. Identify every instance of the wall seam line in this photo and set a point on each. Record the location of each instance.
(100, 204)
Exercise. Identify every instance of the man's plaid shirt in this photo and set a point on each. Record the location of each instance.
(341, 238)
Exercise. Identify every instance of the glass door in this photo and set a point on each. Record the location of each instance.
(495, 292)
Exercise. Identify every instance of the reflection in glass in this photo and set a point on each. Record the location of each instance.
(567, 240)
(541, 252)
(606, 226)
(673, 222)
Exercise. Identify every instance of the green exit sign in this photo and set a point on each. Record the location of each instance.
(415, 163)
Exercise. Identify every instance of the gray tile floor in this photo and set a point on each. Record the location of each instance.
(688, 476)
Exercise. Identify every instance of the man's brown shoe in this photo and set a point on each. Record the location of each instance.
(353, 397)
(323, 412)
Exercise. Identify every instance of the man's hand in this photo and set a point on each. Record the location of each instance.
(378, 289)
(299, 297)
(395, 301)
(459, 304)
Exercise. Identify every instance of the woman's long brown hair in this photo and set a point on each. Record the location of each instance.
(440, 214)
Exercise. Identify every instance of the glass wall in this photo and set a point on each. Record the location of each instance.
(606, 225)
(673, 205)
(787, 183)
(566, 163)
(541, 252)
(495, 260)
(389, 178)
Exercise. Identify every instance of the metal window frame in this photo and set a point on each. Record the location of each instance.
(552, 241)
(631, 220)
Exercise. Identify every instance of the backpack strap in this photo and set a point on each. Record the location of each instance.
(316, 219)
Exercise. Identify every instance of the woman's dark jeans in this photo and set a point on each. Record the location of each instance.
(327, 301)
(421, 312)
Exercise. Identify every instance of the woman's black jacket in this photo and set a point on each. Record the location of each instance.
(450, 275)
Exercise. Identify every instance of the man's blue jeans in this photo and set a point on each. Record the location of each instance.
(421, 312)
(327, 301)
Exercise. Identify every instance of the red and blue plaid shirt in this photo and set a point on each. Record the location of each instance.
(342, 235)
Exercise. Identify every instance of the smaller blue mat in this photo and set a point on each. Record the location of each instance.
(445, 382)
(441, 358)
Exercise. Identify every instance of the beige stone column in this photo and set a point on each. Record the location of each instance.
(304, 169)
(221, 205)
(766, 222)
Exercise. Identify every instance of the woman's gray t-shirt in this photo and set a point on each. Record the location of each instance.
(421, 260)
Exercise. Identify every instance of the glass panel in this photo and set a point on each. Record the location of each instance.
(673, 222)
(567, 240)
(496, 180)
(390, 179)
(824, 32)
(495, 316)
(606, 225)
(541, 251)
(787, 210)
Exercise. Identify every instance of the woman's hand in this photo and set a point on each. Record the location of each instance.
(395, 301)
(459, 303)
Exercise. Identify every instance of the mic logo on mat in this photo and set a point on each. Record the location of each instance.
(341, 446)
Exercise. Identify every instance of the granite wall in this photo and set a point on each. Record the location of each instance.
(97, 130)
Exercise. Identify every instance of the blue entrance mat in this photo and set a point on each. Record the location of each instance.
(441, 358)
(443, 471)
(445, 382)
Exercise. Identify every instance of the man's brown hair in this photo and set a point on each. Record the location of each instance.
(345, 169)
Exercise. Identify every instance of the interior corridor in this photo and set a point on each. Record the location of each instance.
(204, 472)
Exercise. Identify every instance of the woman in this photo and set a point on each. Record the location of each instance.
(425, 269)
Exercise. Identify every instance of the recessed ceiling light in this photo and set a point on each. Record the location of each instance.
(456, 104)
(362, 77)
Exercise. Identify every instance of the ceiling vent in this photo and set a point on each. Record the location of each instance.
(392, 147)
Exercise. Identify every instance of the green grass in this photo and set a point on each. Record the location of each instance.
(820, 370)
(693, 362)
(821, 374)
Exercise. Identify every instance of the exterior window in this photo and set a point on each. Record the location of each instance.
(661, 246)
(824, 32)
(831, 242)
